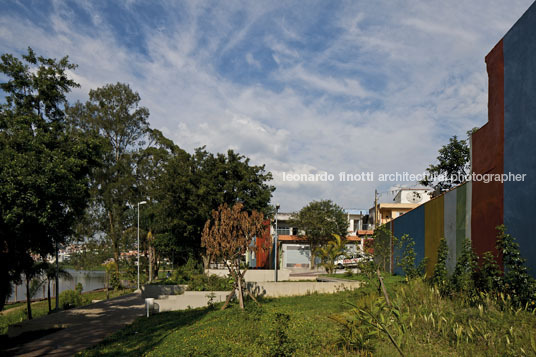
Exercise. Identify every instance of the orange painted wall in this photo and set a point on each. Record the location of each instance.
(488, 158)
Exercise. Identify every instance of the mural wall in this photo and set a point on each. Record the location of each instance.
(504, 145)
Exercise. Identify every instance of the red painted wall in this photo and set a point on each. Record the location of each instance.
(488, 158)
(263, 247)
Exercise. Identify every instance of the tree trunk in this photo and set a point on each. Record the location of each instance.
(48, 296)
(28, 299)
(240, 292)
(150, 264)
(206, 262)
(313, 265)
(229, 297)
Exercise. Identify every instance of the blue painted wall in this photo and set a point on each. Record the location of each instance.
(520, 132)
(411, 223)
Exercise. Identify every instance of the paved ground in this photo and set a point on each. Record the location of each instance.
(83, 327)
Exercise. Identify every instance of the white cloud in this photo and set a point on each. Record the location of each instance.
(384, 89)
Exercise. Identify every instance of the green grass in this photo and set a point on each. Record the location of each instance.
(231, 332)
(434, 325)
(17, 313)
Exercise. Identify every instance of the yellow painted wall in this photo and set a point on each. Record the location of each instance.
(433, 231)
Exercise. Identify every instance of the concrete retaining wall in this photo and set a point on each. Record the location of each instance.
(190, 299)
(255, 275)
(155, 291)
(289, 288)
(195, 299)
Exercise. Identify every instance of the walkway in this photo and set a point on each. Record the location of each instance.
(82, 327)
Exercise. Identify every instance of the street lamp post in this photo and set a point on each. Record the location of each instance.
(276, 236)
(139, 203)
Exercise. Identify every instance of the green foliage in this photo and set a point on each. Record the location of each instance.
(406, 262)
(319, 220)
(45, 162)
(463, 279)
(330, 252)
(440, 275)
(278, 339)
(489, 276)
(184, 273)
(78, 289)
(453, 165)
(70, 299)
(383, 239)
(202, 282)
(516, 280)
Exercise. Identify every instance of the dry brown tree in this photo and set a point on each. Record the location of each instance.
(227, 237)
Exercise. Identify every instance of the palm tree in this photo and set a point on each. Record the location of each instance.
(329, 253)
(50, 274)
(31, 271)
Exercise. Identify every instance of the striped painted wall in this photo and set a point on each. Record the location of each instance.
(447, 216)
(504, 145)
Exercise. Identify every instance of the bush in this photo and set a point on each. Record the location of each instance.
(202, 282)
(70, 299)
(79, 288)
(184, 273)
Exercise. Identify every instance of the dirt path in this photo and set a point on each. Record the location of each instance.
(82, 327)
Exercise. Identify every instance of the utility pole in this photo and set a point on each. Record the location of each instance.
(375, 208)
(276, 236)
(57, 279)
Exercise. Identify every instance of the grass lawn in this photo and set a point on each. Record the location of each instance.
(305, 326)
(16, 313)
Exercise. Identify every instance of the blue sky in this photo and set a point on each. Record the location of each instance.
(301, 86)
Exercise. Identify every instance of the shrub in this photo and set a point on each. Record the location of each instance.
(79, 287)
(407, 261)
(184, 273)
(70, 299)
(278, 341)
(439, 277)
(202, 282)
(464, 277)
(516, 280)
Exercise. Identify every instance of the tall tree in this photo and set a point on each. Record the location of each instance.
(319, 221)
(192, 186)
(453, 164)
(114, 113)
(228, 236)
(45, 163)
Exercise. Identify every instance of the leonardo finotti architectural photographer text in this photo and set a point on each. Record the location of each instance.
(370, 176)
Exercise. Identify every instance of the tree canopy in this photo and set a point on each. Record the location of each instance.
(319, 221)
(78, 171)
(453, 163)
(45, 163)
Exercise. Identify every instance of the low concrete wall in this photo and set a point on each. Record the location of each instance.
(289, 288)
(255, 275)
(155, 291)
(195, 299)
(190, 299)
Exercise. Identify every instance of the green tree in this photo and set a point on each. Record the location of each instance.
(51, 273)
(331, 251)
(383, 241)
(45, 163)
(318, 221)
(453, 163)
(113, 112)
(192, 186)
